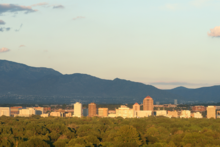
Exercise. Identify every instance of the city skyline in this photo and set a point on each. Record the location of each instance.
(162, 43)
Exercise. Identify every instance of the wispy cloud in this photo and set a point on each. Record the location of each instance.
(78, 17)
(39, 4)
(2, 29)
(58, 7)
(22, 45)
(3, 50)
(15, 8)
(2, 22)
(17, 30)
(214, 32)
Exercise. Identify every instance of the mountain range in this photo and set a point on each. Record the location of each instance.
(20, 83)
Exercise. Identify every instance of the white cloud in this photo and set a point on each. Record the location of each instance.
(215, 32)
(2, 50)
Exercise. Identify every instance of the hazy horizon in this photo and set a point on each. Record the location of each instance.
(166, 44)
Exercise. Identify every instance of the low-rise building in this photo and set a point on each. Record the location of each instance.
(199, 108)
(57, 114)
(5, 111)
(68, 114)
(15, 110)
(197, 115)
(173, 114)
(45, 115)
(112, 115)
(47, 109)
(144, 113)
(26, 112)
(218, 114)
(185, 114)
(39, 110)
(125, 112)
(111, 111)
(161, 113)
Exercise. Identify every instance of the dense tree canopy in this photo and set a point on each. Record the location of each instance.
(109, 132)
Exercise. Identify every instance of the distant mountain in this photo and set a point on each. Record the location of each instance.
(24, 84)
(204, 94)
(20, 83)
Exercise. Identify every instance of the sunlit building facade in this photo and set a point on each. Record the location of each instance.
(148, 103)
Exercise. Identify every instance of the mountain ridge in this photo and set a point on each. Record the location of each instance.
(25, 84)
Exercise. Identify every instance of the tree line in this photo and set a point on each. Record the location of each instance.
(108, 132)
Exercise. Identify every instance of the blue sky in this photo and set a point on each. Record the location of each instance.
(165, 43)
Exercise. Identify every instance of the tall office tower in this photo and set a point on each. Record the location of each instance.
(136, 107)
(77, 109)
(148, 103)
(211, 112)
(175, 101)
(92, 109)
(103, 112)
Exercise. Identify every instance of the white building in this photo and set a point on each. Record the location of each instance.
(185, 114)
(125, 112)
(197, 115)
(5, 111)
(26, 112)
(145, 113)
(45, 115)
(77, 109)
(161, 113)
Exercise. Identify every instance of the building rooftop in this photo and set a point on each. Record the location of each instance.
(148, 97)
(136, 104)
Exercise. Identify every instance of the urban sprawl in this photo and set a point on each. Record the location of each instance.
(123, 111)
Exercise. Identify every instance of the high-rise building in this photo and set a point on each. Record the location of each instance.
(211, 112)
(92, 110)
(103, 112)
(5, 111)
(175, 101)
(77, 109)
(136, 107)
(148, 103)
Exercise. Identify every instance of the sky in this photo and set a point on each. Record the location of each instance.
(165, 43)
